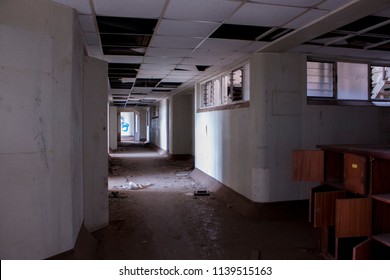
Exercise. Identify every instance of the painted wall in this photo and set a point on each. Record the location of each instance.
(41, 170)
(180, 124)
(249, 149)
(95, 144)
(159, 131)
(113, 128)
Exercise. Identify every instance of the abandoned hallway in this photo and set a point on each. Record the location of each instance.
(154, 214)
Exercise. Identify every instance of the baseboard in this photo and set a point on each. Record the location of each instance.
(296, 209)
(158, 150)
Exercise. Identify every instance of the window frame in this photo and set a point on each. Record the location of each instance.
(334, 99)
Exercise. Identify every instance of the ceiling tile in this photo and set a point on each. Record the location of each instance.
(224, 44)
(211, 53)
(308, 17)
(162, 60)
(133, 8)
(333, 4)
(185, 28)
(201, 10)
(296, 3)
(157, 71)
(201, 60)
(239, 32)
(147, 66)
(383, 12)
(168, 52)
(180, 79)
(264, 15)
(174, 42)
(81, 6)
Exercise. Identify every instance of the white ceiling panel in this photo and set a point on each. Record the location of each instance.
(383, 13)
(123, 59)
(174, 42)
(168, 52)
(162, 60)
(150, 76)
(177, 79)
(334, 4)
(201, 52)
(224, 44)
(126, 8)
(81, 6)
(201, 10)
(165, 67)
(186, 28)
(308, 17)
(264, 15)
(296, 3)
(160, 72)
(201, 60)
(87, 23)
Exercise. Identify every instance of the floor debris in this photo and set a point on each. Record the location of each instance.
(201, 193)
(132, 186)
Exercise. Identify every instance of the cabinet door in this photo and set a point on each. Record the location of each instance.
(353, 217)
(362, 251)
(355, 169)
(323, 205)
(308, 165)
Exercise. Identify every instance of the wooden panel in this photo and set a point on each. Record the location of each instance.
(308, 165)
(353, 217)
(325, 207)
(334, 167)
(362, 251)
(355, 168)
(380, 182)
(380, 215)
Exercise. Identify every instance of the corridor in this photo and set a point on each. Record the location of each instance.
(154, 214)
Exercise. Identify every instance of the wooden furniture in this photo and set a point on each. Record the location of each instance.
(351, 206)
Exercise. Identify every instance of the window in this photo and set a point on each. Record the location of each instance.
(347, 81)
(320, 79)
(225, 89)
(380, 83)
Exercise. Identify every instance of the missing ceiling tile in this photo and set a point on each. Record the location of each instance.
(202, 67)
(239, 32)
(124, 25)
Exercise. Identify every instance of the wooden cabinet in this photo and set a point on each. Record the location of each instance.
(351, 205)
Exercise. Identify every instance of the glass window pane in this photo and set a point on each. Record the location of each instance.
(352, 81)
(319, 79)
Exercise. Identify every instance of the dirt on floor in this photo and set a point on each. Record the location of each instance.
(154, 214)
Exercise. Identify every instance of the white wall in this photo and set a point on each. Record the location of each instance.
(249, 149)
(41, 169)
(221, 147)
(95, 144)
(113, 127)
(159, 126)
(180, 124)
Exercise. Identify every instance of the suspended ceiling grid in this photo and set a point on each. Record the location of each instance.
(159, 47)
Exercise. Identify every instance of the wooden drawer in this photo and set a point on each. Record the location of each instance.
(323, 205)
(355, 173)
(353, 217)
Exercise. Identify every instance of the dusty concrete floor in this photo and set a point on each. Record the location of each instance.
(164, 220)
